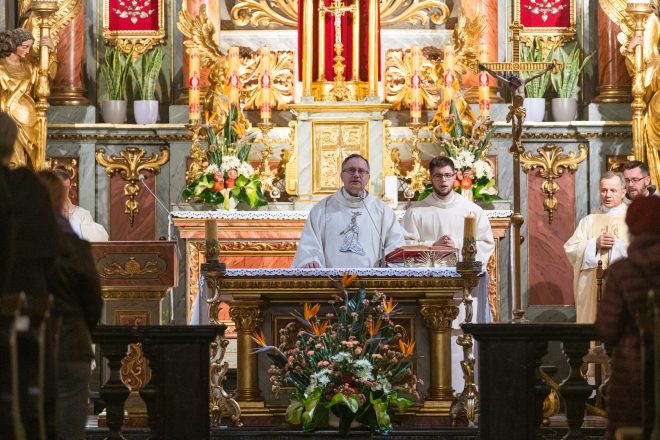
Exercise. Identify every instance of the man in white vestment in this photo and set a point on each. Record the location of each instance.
(81, 220)
(438, 220)
(350, 228)
(602, 236)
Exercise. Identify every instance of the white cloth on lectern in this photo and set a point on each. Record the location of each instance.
(200, 311)
(480, 314)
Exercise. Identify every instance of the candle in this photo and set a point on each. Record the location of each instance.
(193, 85)
(211, 240)
(265, 82)
(469, 228)
(234, 77)
(484, 90)
(415, 83)
(392, 190)
(448, 89)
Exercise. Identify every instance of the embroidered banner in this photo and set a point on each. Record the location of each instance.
(126, 22)
(545, 13)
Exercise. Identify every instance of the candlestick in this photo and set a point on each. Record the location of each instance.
(448, 89)
(484, 90)
(415, 84)
(265, 83)
(212, 251)
(234, 76)
(193, 86)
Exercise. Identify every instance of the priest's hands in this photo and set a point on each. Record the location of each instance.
(312, 265)
(605, 241)
(445, 240)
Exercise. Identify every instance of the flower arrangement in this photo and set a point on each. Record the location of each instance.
(474, 175)
(352, 363)
(228, 178)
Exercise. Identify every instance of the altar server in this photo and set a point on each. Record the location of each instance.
(600, 236)
(438, 219)
(350, 228)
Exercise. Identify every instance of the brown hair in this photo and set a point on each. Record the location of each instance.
(441, 162)
(353, 156)
(55, 187)
(636, 164)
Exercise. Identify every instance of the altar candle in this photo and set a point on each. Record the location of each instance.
(193, 85)
(265, 82)
(484, 90)
(448, 89)
(415, 83)
(392, 190)
(211, 239)
(470, 228)
(234, 77)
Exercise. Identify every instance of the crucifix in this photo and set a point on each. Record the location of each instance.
(339, 92)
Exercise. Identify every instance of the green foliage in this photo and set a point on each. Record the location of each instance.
(537, 87)
(115, 68)
(565, 82)
(145, 72)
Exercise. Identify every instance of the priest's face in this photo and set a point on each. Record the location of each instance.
(442, 180)
(355, 176)
(636, 182)
(611, 192)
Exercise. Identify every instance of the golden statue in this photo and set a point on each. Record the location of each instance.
(19, 71)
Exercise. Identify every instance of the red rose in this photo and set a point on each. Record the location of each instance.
(459, 175)
(218, 177)
(230, 183)
(466, 183)
(219, 186)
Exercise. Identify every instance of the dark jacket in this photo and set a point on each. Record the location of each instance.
(626, 293)
(75, 284)
(6, 230)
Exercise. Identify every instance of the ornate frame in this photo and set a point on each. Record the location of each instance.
(550, 36)
(139, 40)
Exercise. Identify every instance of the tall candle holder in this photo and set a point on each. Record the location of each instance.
(418, 175)
(199, 162)
(266, 175)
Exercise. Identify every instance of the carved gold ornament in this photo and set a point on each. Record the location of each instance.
(201, 34)
(135, 372)
(129, 165)
(281, 90)
(135, 41)
(262, 13)
(466, 39)
(398, 72)
(131, 268)
(549, 38)
(438, 317)
(551, 164)
(221, 403)
(66, 11)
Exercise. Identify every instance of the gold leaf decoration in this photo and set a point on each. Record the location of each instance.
(281, 91)
(398, 71)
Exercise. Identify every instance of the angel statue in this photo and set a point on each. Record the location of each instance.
(516, 86)
(19, 70)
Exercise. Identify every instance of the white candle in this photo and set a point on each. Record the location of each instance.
(392, 190)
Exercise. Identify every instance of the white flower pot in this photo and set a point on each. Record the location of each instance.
(146, 112)
(534, 109)
(564, 109)
(114, 112)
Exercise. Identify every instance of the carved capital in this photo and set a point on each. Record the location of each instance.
(247, 317)
(438, 317)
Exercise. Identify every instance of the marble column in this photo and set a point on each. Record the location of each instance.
(487, 8)
(68, 87)
(614, 82)
(213, 13)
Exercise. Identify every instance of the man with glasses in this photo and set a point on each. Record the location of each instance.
(438, 219)
(350, 228)
(637, 179)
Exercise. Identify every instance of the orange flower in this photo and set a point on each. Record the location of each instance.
(259, 338)
(319, 329)
(347, 279)
(406, 348)
(310, 312)
(457, 183)
(388, 306)
(466, 183)
(373, 329)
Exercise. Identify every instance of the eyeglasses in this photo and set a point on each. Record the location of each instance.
(634, 179)
(359, 171)
(445, 176)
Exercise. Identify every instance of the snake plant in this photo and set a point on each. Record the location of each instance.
(115, 68)
(565, 81)
(146, 70)
(537, 87)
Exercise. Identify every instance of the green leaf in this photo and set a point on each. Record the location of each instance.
(294, 412)
(350, 402)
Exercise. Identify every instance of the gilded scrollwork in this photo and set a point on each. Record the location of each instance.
(438, 317)
(551, 164)
(491, 268)
(246, 317)
(221, 403)
(281, 91)
(131, 268)
(135, 372)
(398, 71)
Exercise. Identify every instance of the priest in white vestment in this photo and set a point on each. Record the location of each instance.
(602, 236)
(350, 228)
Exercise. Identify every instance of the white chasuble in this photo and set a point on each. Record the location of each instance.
(429, 219)
(346, 231)
(583, 255)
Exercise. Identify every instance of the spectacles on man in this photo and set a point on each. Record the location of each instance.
(359, 171)
(634, 179)
(445, 176)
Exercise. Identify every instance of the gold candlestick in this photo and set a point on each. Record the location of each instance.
(418, 175)
(266, 174)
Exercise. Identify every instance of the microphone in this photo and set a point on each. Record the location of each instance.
(381, 251)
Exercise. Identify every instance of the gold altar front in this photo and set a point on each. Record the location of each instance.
(264, 301)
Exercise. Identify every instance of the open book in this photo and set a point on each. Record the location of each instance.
(422, 256)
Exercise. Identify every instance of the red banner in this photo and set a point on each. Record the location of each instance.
(545, 13)
(133, 15)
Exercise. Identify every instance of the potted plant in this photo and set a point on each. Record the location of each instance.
(535, 90)
(115, 68)
(145, 72)
(565, 83)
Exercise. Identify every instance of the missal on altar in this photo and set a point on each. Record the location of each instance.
(422, 256)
